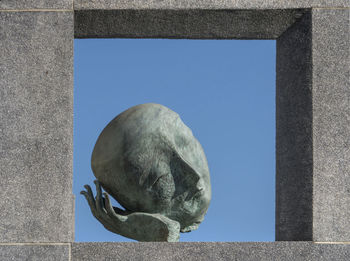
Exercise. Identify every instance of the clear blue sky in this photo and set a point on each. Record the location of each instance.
(224, 90)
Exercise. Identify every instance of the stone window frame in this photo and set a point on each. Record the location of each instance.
(312, 117)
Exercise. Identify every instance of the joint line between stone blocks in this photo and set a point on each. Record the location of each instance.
(70, 252)
(333, 243)
(332, 8)
(36, 244)
(36, 10)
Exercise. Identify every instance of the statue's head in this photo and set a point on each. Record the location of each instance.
(149, 161)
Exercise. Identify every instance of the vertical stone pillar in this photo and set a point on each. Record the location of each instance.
(36, 121)
(331, 124)
(313, 128)
(294, 132)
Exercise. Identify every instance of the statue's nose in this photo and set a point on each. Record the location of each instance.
(194, 179)
(200, 185)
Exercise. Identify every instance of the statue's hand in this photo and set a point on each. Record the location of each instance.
(138, 225)
(98, 209)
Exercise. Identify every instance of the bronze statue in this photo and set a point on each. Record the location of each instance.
(149, 161)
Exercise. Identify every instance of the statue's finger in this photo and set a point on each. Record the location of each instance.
(108, 205)
(89, 191)
(90, 200)
(99, 198)
(111, 213)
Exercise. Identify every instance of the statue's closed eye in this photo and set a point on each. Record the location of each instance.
(164, 186)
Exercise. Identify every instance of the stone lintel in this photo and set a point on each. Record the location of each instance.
(205, 4)
(190, 24)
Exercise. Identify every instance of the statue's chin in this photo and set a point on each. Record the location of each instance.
(194, 226)
(188, 213)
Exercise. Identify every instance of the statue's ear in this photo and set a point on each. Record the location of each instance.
(159, 167)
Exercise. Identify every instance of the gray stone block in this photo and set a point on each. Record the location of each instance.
(35, 4)
(205, 4)
(313, 128)
(294, 165)
(195, 24)
(285, 251)
(28, 252)
(331, 124)
(36, 126)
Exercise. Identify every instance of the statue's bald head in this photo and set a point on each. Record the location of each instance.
(149, 161)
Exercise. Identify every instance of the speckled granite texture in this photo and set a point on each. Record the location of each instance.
(208, 251)
(205, 4)
(36, 125)
(35, 4)
(331, 124)
(193, 24)
(313, 121)
(30, 252)
(313, 128)
(294, 166)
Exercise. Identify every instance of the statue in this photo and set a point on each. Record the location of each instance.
(149, 161)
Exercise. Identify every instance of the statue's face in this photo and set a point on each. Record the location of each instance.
(161, 181)
(190, 206)
(149, 161)
(180, 192)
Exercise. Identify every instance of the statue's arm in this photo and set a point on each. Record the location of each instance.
(138, 225)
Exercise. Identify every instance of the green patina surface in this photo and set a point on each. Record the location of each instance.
(149, 161)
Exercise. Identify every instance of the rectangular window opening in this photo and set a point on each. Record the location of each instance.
(223, 90)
